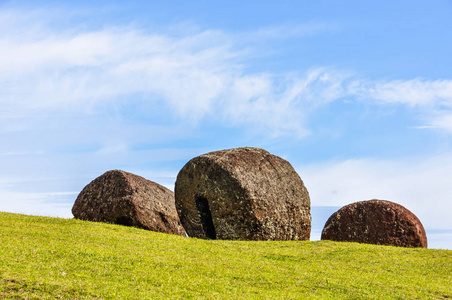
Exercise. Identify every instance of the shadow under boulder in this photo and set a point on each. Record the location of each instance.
(127, 199)
(377, 222)
(242, 193)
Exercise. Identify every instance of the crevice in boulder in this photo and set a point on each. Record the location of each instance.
(202, 204)
(124, 220)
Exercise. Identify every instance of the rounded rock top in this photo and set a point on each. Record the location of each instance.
(379, 222)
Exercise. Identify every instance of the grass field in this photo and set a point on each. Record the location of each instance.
(51, 258)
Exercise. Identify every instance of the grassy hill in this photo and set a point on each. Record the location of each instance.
(51, 258)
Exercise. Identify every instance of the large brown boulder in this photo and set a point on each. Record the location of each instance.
(242, 193)
(123, 198)
(377, 222)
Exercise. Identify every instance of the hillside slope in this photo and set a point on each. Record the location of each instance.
(51, 258)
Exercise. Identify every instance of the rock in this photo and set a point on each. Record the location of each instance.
(244, 194)
(377, 222)
(123, 198)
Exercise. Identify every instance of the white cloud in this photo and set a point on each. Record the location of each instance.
(431, 98)
(41, 204)
(196, 75)
(422, 186)
(414, 92)
(282, 105)
(442, 120)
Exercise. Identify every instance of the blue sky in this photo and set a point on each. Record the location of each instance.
(356, 95)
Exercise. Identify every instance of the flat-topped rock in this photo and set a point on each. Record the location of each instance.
(242, 193)
(124, 198)
(377, 222)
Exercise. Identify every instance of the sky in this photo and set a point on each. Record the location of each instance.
(356, 95)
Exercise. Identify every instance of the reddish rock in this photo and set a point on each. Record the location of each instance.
(377, 222)
(123, 198)
(242, 193)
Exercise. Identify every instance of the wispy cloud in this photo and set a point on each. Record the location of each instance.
(413, 92)
(431, 98)
(196, 76)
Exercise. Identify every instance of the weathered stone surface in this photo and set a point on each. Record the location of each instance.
(377, 222)
(123, 198)
(242, 193)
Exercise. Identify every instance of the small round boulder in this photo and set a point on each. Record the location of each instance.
(124, 198)
(377, 222)
(242, 194)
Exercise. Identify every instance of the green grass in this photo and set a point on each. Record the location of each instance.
(52, 258)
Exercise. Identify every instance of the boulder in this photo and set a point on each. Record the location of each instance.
(242, 194)
(127, 199)
(377, 222)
